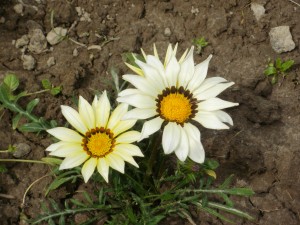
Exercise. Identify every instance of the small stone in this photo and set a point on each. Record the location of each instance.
(75, 52)
(21, 149)
(19, 8)
(28, 62)
(51, 62)
(38, 42)
(167, 32)
(2, 19)
(24, 40)
(217, 22)
(281, 39)
(194, 10)
(56, 35)
(258, 10)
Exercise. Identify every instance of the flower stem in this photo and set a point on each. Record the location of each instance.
(4, 151)
(154, 148)
(24, 160)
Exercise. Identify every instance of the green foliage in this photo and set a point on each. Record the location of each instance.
(3, 168)
(130, 58)
(50, 87)
(277, 69)
(199, 43)
(9, 100)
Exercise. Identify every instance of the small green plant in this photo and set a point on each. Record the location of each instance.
(277, 69)
(9, 100)
(50, 87)
(199, 43)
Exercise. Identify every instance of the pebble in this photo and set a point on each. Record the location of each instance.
(28, 62)
(281, 39)
(51, 61)
(2, 19)
(24, 40)
(38, 42)
(56, 35)
(22, 149)
(75, 52)
(258, 10)
(167, 32)
(19, 8)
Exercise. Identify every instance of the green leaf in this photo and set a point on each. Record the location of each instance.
(270, 71)
(31, 127)
(227, 182)
(4, 94)
(46, 84)
(55, 91)
(18, 96)
(62, 220)
(230, 210)
(287, 65)
(88, 198)
(278, 63)
(30, 106)
(240, 191)
(227, 200)
(57, 183)
(78, 203)
(15, 121)
(130, 58)
(274, 80)
(3, 169)
(11, 81)
(211, 164)
(214, 213)
(52, 160)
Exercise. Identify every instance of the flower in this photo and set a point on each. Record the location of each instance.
(100, 140)
(172, 95)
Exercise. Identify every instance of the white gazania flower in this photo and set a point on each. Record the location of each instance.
(172, 95)
(100, 140)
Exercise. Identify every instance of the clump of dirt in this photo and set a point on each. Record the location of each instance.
(262, 148)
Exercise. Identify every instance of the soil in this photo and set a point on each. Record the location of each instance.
(261, 149)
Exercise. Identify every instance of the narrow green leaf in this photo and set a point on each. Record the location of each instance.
(15, 121)
(62, 220)
(11, 81)
(57, 183)
(54, 205)
(78, 203)
(214, 213)
(240, 191)
(4, 94)
(30, 106)
(18, 96)
(230, 210)
(3, 169)
(46, 84)
(287, 65)
(88, 198)
(226, 182)
(52, 160)
(278, 63)
(31, 127)
(227, 200)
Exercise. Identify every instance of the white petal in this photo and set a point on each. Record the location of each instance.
(86, 113)
(130, 149)
(151, 127)
(102, 111)
(115, 162)
(73, 117)
(171, 137)
(213, 104)
(123, 126)
(126, 157)
(213, 91)
(103, 168)
(187, 69)
(182, 150)
(156, 63)
(169, 54)
(129, 91)
(223, 116)
(140, 114)
(208, 83)
(199, 74)
(65, 134)
(128, 137)
(88, 168)
(210, 120)
(139, 101)
(172, 70)
(67, 149)
(56, 146)
(74, 160)
(142, 84)
(117, 115)
(152, 75)
(196, 152)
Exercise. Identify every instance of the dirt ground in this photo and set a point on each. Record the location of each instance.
(262, 149)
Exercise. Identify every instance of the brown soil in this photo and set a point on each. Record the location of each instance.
(262, 149)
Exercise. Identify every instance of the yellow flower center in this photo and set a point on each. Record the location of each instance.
(98, 142)
(176, 105)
